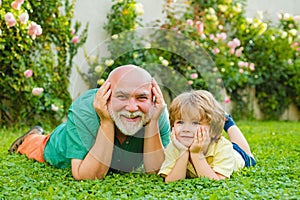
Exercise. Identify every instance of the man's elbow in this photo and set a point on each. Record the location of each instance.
(85, 174)
(78, 177)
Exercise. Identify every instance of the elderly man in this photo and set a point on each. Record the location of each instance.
(121, 126)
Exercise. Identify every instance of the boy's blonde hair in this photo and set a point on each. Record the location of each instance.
(203, 104)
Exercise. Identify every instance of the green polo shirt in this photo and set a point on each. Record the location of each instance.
(75, 137)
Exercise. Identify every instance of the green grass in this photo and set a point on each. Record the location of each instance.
(276, 146)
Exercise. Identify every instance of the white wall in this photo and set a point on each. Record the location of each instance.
(94, 12)
(272, 7)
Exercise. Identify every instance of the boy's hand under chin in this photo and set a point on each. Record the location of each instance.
(201, 141)
(176, 143)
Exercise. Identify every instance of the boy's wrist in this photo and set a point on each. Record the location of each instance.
(199, 155)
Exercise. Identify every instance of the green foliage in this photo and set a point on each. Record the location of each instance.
(246, 53)
(276, 175)
(269, 53)
(49, 56)
(123, 16)
(276, 53)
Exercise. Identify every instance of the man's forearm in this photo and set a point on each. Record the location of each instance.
(153, 148)
(97, 162)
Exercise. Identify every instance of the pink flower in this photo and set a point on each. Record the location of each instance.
(279, 16)
(211, 36)
(241, 70)
(54, 108)
(231, 44)
(234, 43)
(34, 30)
(28, 73)
(16, 5)
(10, 19)
(222, 36)
(37, 91)
(241, 63)
(252, 66)
(24, 18)
(227, 100)
(73, 31)
(19, 1)
(295, 44)
(75, 39)
(194, 75)
(232, 50)
(296, 17)
(219, 80)
(238, 52)
(200, 27)
(237, 42)
(190, 82)
(189, 22)
(216, 50)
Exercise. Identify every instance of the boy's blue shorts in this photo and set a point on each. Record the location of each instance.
(249, 161)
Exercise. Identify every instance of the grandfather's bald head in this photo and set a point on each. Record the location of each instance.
(128, 70)
(129, 75)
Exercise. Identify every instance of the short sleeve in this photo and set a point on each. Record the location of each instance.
(171, 156)
(164, 127)
(83, 124)
(223, 158)
(75, 137)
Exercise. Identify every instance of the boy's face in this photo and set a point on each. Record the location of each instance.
(186, 128)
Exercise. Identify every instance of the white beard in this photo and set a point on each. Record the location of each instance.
(129, 128)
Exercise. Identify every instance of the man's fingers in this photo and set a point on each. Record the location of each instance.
(104, 91)
(157, 92)
(156, 86)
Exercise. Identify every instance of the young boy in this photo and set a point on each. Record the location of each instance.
(198, 148)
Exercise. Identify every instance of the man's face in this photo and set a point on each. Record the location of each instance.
(131, 104)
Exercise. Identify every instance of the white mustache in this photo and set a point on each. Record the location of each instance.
(131, 115)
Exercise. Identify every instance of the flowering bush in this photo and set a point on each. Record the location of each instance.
(276, 55)
(124, 16)
(246, 51)
(37, 47)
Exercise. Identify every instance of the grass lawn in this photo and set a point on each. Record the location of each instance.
(276, 146)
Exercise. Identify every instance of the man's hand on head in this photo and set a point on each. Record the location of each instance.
(158, 100)
(101, 101)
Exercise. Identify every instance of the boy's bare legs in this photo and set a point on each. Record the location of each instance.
(236, 136)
